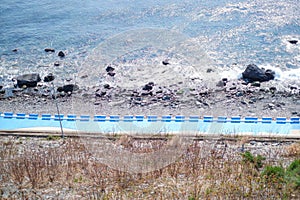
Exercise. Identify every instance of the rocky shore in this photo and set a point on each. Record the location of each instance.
(255, 94)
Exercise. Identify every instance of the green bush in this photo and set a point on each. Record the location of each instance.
(274, 173)
(293, 173)
(257, 161)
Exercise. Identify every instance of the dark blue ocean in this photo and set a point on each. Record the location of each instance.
(229, 33)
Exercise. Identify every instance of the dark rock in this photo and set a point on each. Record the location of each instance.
(109, 69)
(106, 86)
(209, 70)
(206, 104)
(165, 62)
(68, 88)
(239, 94)
(271, 106)
(49, 50)
(14, 50)
(97, 103)
(293, 41)
(61, 54)
(111, 73)
(293, 87)
(101, 94)
(254, 73)
(56, 64)
(225, 80)
(1, 87)
(50, 77)
(270, 74)
(148, 86)
(166, 98)
(28, 80)
(244, 102)
(273, 89)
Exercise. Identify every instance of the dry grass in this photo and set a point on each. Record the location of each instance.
(64, 169)
(293, 149)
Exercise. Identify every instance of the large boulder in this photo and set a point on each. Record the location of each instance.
(28, 80)
(254, 73)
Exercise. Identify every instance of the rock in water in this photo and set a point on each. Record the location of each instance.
(109, 69)
(49, 50)
(254, 73)
(293, 41)
(50, 77)
(270, 74)
(56, 64)
(61, 54)
(165, 62)
(28, 80)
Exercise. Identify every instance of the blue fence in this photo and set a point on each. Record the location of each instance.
(152, 124)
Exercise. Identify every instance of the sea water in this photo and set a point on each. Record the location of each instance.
(136, 35)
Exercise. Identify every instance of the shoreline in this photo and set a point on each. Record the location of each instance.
(235, 98)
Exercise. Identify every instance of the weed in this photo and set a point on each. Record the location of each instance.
(53, 137)
(249, 158)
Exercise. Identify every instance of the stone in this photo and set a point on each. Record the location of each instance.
(165, 62)
(148, 86)
(68, 88)
(209, 70)
(49, 50)
(109, 69)
(270, 74)
(111, 73)
(271, 105)
(101, 94)
(225, 80)
(14, 50)
(50, 77)
(166, 98)
(61, 54)
(244, 102)
(239, 94)
(254, 73)
(293, 87)
(255, 84)
(106, 86)
(29, 80)
(56, 64)
(273, 89)
(1, 87)
(293, 41)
